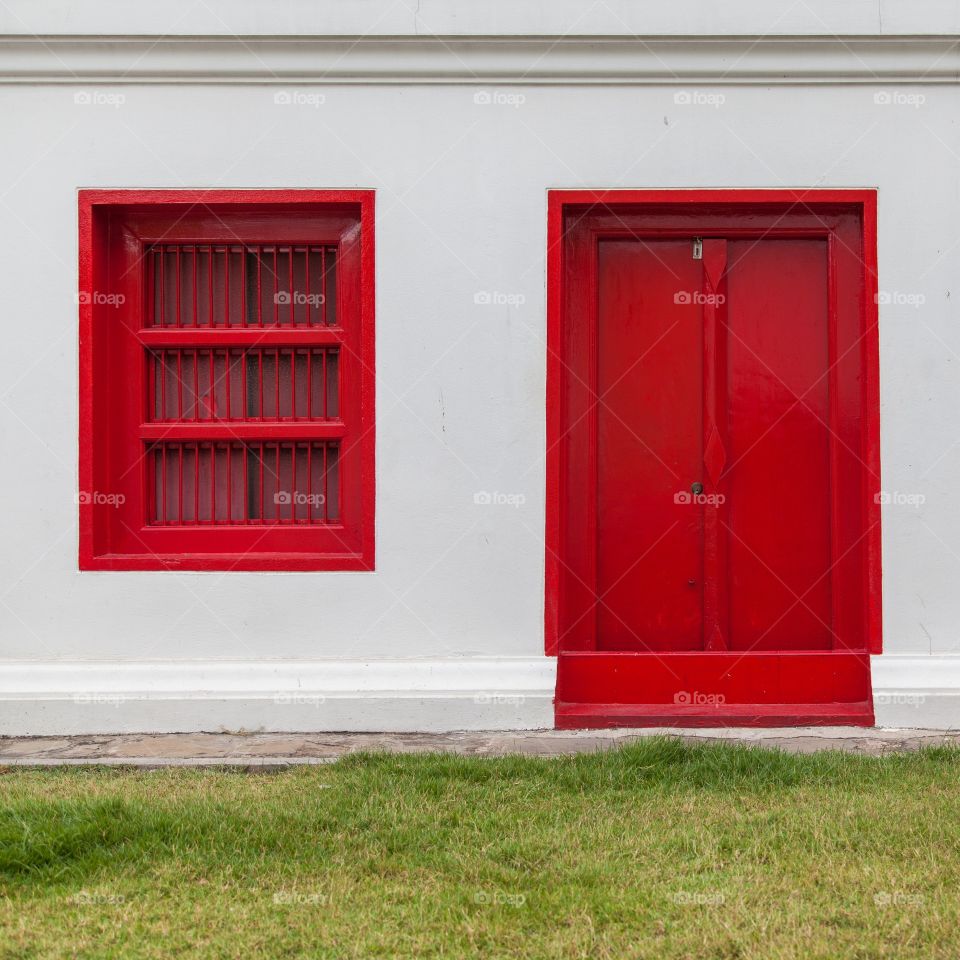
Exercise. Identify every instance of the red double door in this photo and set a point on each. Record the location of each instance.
(715, 484)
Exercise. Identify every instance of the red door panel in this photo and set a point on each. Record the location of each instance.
(649, 426)
(778, 460)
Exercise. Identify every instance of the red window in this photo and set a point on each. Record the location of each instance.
(226, 380)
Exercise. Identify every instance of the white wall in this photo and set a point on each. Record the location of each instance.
(461, 192)
(467, 17)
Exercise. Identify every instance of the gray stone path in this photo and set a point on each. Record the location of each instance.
(278, 750)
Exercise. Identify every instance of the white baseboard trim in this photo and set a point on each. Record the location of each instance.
(916, 690)
(59, 697)
(179, 696)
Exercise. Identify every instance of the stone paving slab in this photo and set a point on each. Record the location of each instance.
(263, 751)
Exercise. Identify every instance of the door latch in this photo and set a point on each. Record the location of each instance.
(697, 248)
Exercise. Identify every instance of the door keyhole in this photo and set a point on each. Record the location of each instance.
(696, 488)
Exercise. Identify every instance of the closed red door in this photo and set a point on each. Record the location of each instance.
(713, 486)
(650, 345)
(713, 489)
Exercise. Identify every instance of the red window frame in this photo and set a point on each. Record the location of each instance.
(119, 524)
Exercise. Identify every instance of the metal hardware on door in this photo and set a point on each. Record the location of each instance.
(691, 583)
(696, 488)
(697, 248)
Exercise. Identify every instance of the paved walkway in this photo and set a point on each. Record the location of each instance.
(278, 750)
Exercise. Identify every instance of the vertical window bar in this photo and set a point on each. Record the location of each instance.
(210, 265)
(228, 373)
(243, 285)
(293, 383)
(276, 376)
(276, 287)
(152, 384)
(310, 355)
(326, 505)
(196, 309)
(151, 264)
(213, 483)
(262, 455)
(179, 481)
(245, 408)
(260, 369)
(309, 483)
(229, 483)
(323, 274)
(293, 482)
(196, 483)
(260, 286)
(158, 253)
(212, 401)
(324, 384)
(179, 354)
(293, 317)
(308, 315)
(179, 320)
(163, 481)
(246, 484)
(276, 484)
(163, 384)
(226, 287)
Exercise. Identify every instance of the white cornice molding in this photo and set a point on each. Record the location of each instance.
(479, 60)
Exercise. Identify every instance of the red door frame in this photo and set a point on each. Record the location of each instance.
(562, 204)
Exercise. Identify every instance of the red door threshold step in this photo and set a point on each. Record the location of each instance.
(700, 689)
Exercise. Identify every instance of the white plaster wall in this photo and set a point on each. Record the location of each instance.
(461, 192)
(467, 17)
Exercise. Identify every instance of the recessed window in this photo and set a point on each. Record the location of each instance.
(226, 381)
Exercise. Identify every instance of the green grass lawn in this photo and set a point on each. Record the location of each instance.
(657, 850)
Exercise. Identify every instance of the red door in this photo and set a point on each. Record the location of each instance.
(715, 530)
